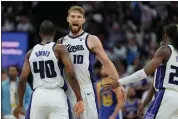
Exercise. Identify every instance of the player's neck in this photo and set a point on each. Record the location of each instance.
(76, 34)
(44, 41)
(12, 79)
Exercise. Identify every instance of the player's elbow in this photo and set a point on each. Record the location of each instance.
(22, 81)
(71, 75)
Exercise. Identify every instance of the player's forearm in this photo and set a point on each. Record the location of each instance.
(116, 111)
(74, 85)
(137, 76)
(110, 68)
(21, 90)
(149, 96)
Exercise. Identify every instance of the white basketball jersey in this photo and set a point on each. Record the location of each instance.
(166, 76)
(45, 68)
(81, 57)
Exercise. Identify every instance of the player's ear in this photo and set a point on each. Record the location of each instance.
(84, 20)
(40, 34)
(54, 33)
(67, 19)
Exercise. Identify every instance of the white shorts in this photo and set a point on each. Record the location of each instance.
(48, 104)
(88, 95)
(164, 105)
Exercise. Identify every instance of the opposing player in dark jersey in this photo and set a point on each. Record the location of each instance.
(165, 66)
(82, 48)
(46, 61)
(110, 101)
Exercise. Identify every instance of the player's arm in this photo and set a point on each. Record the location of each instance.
(64, 57)
(161, 56)
(149, 96)
(121, 97)
(23, 79)
(146, 101)
(96, 47)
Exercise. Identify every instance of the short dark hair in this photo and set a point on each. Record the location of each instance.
(172, 31)
(15, 66)
(47, 27)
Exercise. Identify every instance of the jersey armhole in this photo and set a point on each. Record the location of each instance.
(171, 49)
(86, 42)
(30, 53)
(54, 46)
(60, 41)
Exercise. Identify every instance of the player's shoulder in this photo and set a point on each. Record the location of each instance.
(29, 53)
(60, 40)
(93, 37)
(163, 51)
(60, 48)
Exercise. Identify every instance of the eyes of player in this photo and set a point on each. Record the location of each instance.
(77, 16)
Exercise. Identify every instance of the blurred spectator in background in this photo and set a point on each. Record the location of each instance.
(8, 25)
(131, 105)
(24, 25)
(110, 102)
(9, 92)
(3, 75)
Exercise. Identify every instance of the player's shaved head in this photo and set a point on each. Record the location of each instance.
(47, 28)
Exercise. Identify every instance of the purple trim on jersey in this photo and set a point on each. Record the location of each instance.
(90, 68)
(155, 105)
(160, 77)
(86, 43)
(27, 116)
(69, 109)
(76, 36)
(61, 68)
(62, 39)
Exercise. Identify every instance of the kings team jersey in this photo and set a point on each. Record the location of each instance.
(166, 76)
(45, 68)
(81, 57)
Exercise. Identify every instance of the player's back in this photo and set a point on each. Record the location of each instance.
(166, 76)
(45, 68)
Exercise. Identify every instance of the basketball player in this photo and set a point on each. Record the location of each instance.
(82, 47)
(110, 102)
(165, 63)
(46, 61)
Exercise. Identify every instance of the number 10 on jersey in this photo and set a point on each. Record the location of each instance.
(78, 59)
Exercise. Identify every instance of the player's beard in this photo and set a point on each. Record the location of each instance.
(75, 30)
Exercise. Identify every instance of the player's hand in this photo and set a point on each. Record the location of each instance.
(141, 111)
(79, 108)
(18, 110)
(111, 85)
(112, 117)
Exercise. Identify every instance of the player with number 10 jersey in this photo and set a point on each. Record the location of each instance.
(82, 48)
